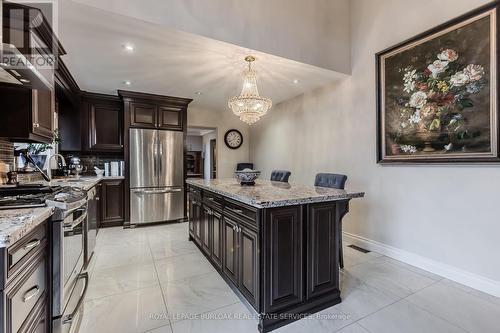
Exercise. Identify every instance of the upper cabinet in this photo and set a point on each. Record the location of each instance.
(170, 117)
(143, 115)
(155, 111)
(94, 125)
(29, 55)
(102, 123)
(27, 114)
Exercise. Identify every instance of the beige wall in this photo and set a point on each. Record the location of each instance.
(442, 215)
(222, 120)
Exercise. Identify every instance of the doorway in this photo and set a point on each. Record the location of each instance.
(201, 152)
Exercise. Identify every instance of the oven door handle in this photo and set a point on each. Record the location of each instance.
(69, 318)
(76, 222)
(78, 205)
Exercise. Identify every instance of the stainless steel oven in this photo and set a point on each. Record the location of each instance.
(69, 282)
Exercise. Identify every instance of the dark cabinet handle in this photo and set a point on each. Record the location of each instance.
(238, 211)
(31, 293)
(32, 244)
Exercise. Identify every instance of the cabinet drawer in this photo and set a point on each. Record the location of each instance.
(240, 210)
(21, 252)
(22, 296)
(195, 191)
(212, 200)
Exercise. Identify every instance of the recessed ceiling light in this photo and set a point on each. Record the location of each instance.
(128, 47)
(198, 93)
(295, 81)
(24, 80)
(127, 83)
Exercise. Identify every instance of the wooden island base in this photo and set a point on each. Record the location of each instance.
(282, 261)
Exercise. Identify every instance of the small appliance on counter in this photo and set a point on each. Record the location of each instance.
(75, 165)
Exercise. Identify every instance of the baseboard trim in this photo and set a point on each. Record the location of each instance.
(469, 279)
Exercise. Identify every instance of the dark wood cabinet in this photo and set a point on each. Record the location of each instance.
(217, 240)
(143, 115)
(102, 123)
(155, 111)
(249, 264)
(112, 203)
(24, 286)
(230, 249)
(27, 114)
(43, 112)
(170, 117)
(190, 213)
(323, 265)
(282, 261)
(205, 229)
(197, 220)
(283, 247)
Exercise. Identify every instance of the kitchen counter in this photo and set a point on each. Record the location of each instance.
(266, 194)
(276, 244)
(84, 182)
(15, 223)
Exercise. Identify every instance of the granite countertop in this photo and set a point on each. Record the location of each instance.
(266, 194)
(84, 182)
(16, 223)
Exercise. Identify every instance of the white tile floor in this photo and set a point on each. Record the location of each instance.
(140, 275)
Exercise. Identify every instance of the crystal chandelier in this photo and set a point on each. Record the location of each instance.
(249, 106)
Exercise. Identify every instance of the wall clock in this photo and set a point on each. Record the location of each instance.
(233, 139)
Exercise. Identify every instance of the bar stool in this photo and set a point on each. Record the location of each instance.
(333, 180)
(280, 176)
(241, 166)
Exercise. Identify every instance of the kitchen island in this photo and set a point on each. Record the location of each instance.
(276, 244)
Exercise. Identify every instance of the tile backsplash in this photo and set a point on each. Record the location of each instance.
(89, 161)
(7, 164)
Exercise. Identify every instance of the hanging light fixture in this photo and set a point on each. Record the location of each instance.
(249, 106)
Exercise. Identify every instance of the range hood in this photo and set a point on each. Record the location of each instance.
(15, 68)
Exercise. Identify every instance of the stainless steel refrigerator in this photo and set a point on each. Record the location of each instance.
(156, 176)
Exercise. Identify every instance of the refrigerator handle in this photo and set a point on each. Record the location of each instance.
(155, 164)
(161, 157)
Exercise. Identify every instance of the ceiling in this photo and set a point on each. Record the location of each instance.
(169, 62)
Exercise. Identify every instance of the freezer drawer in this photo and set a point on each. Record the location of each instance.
(149, 205)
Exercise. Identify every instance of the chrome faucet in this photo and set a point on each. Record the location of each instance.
(63, 162)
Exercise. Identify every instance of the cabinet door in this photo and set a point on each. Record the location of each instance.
(230, 249)
(143, 115)
(205, 227)
(216, 253)
(43, 112)
(283, 252)
(322, 250)
(105, 126)
(197, 221)
(112, 208)
(190, 212)
(249, 264)
(170, 117)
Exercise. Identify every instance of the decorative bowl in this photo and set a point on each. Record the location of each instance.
(247, 176)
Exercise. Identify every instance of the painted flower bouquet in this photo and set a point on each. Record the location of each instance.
(434, 99)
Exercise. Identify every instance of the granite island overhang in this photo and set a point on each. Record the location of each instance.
(275, 244)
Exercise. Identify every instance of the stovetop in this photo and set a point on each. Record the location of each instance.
(55, 196)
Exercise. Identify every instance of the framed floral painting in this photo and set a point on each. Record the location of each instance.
(437, 94)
